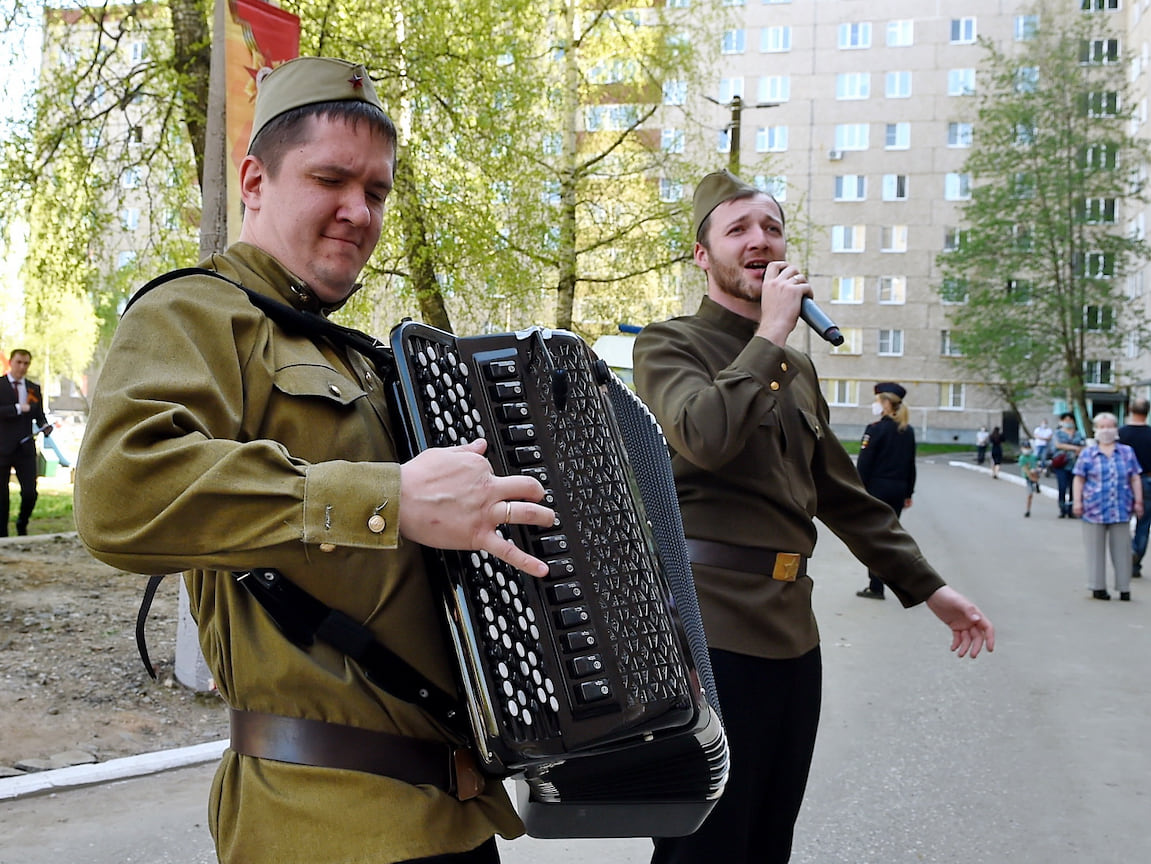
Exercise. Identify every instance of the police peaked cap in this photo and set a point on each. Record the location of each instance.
(890, 387)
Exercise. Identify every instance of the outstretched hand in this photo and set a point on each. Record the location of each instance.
(970, 629)
(451, 499)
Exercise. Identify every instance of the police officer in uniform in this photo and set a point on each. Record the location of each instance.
(886, 462)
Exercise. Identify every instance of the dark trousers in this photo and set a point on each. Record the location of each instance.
(486, 853)
(1142, 524)
(24, 461)
(770, 715)
(896, 504)
(1063, 481)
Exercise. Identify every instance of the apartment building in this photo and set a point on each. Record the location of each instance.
(871, 117)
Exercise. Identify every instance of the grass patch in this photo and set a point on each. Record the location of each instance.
(921, 449)
(53, 513)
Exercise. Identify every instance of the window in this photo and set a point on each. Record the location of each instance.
(723, 141)
(551, 192)
(733, 2)
(1094, 265)
(957, 187)
(672, 140)
(1099, 5)
(851, 136)
(674, 92)
(1020, 292)
(670, 190)
(853, 85)
(849, 238)
(774, 185)
(893, 238)
(901, 33)
(855, 35)
(897, 136)
(1098, 319)
(847, 289)
(775, 88)
(953, 291)
(1025, 27)
(1103, 156)
(960, 82)
(1026, 79)
(730, 87)
(125, 258)
(130, 178)
(947, 346)
(850, 187)
(959, 134)
(962, 31)
(1099, 51)
(892, 290)
(953, 239)
(1102, 103)
(773, 40)
(552, 144)
(733, 41)
(894, 187)
(852, 341)
(1097, 211)
(1023, 185)
(897, 85)
(951, 396)
(890, 343)
(838, 391)
(771, 139)
(1097, 372)
(138, 50)
(1024, 134)
(678, 4)
(130, 218)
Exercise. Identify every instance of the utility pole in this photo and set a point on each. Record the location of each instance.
(733, 135)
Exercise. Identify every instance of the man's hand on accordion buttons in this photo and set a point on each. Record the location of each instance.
(451, 499)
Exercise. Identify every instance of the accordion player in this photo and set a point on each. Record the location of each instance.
(592, 686)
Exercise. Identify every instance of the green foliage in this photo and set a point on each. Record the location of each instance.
(1043, 251)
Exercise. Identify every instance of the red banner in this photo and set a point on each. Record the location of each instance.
(256, 35)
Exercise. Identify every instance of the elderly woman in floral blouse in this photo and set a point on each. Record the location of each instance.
(1106, 490)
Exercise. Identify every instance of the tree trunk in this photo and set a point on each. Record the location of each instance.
(192, 61)
(418, 254)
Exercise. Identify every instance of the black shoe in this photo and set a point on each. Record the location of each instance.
(1027, 514)
(1125, 595)
(22, 529)
(869, 594)
(1100, 594)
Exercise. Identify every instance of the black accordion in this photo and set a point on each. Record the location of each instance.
(592, 686)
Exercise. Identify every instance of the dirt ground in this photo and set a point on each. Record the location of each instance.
(70, 676)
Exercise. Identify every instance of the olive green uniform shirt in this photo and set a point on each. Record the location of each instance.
(219, 442)
(755, 464)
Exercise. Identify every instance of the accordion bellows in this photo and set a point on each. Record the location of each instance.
(592, 686)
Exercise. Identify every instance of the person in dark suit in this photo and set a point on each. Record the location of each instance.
(21, 406)
(886, 462)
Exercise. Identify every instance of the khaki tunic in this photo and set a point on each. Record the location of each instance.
(755, 463)
(218, 442)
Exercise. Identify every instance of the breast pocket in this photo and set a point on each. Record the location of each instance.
(319, 413)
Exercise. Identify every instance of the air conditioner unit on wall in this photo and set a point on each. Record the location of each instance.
(834, 155)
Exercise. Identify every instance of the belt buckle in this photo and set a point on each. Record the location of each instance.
(786, 566)
(467, 779)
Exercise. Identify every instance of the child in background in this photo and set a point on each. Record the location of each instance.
(1029, 469)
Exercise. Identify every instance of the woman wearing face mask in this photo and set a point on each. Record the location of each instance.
(886, 461)
(1106, 490)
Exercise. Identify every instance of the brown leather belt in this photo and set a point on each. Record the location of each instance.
(301, 741)
(781, 566)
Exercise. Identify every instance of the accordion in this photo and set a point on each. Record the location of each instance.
(592, 686)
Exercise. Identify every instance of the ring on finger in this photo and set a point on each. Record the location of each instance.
(507, 512)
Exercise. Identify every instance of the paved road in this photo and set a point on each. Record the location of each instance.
(1034, 755)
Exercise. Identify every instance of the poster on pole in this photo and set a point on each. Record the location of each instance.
(257, 35)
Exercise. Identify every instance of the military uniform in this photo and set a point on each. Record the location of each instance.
(262, 448)
(755, 463)
(886, 465)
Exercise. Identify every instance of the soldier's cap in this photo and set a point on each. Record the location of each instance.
(713, 190)
(890, 387)
(308, 81)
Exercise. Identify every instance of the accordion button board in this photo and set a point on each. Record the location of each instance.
(592, 655)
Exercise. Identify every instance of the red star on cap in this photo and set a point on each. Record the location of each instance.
(357, 81)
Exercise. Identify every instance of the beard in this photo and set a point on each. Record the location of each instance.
(735, 281)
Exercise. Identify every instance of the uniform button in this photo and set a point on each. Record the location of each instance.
(377, 523)
(774, 385)
(783, 366)
(327, 547)
(335, 390)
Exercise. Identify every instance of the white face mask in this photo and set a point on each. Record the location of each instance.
(876, 408)
(1107, 435)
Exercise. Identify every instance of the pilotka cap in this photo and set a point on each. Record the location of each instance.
(712, 191)
(307, 81)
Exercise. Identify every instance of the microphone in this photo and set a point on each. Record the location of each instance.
(817, 320)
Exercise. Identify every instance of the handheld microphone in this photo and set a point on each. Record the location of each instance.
(817, 320)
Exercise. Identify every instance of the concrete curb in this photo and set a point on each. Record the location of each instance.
(1045, 491)
(62, 779)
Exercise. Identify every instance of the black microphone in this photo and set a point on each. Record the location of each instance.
(817, 320)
